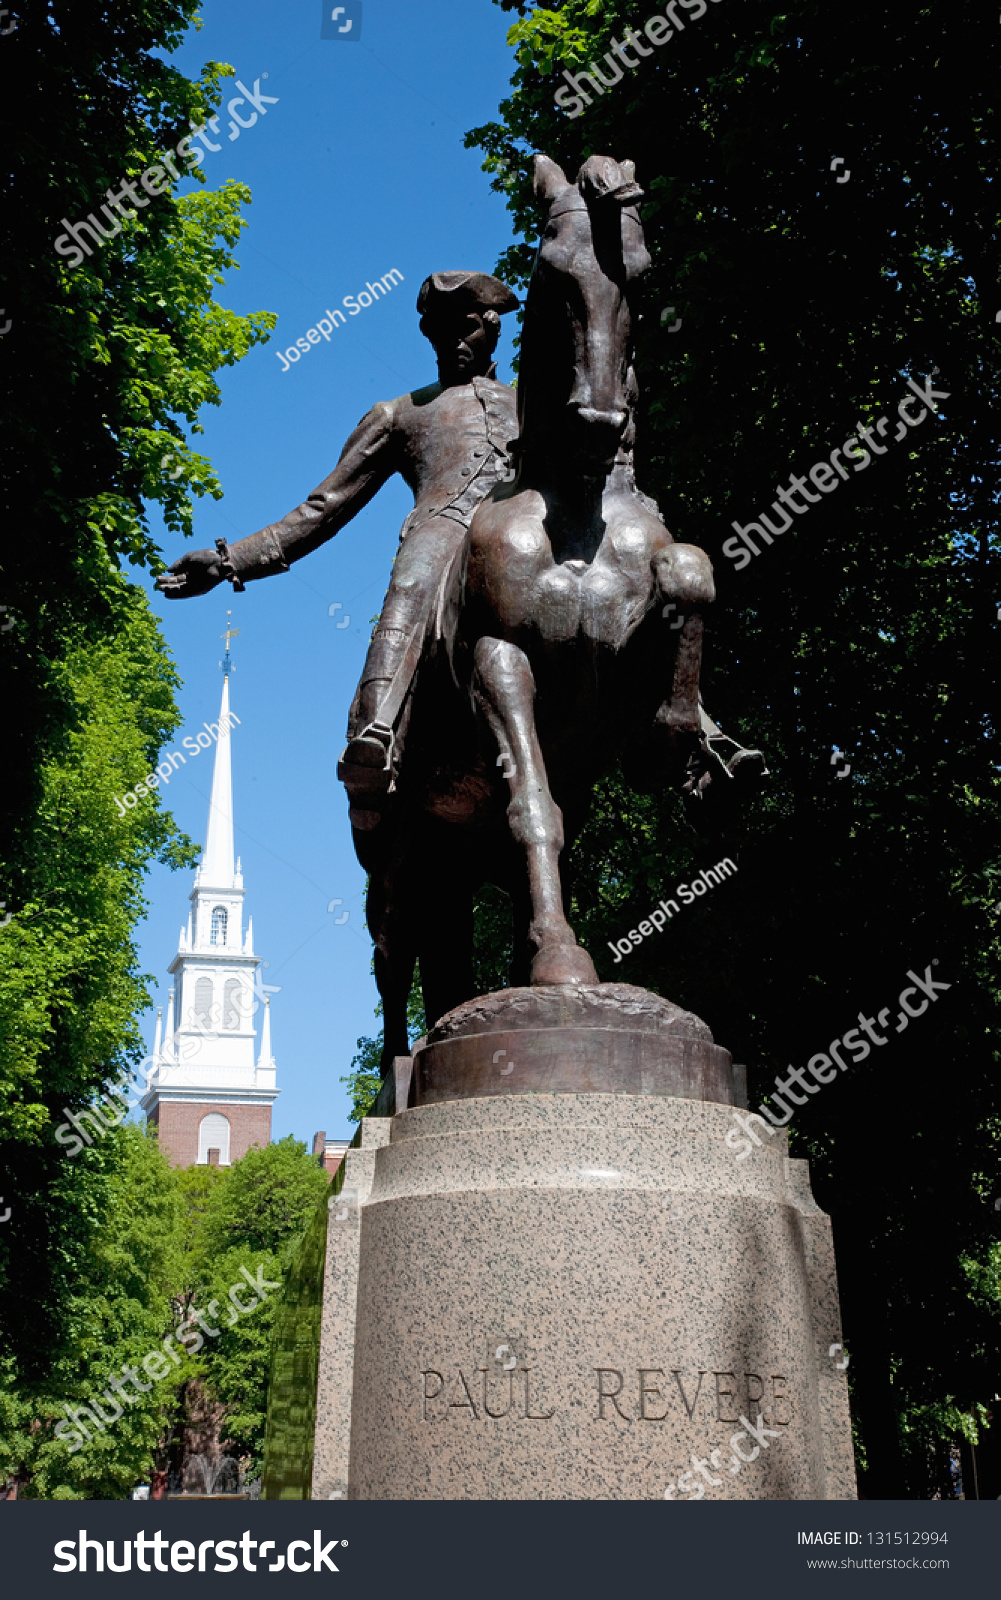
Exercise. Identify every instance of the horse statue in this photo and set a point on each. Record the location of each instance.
(568, 636)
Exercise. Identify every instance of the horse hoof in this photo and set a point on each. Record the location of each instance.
(563, 963)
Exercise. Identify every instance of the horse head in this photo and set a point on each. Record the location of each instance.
(591, 253)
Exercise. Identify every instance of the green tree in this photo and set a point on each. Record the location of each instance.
(121, 1308)
(266, 1201)
(364, 1076)
(249, 1229)
(106, 367)
(806, 304)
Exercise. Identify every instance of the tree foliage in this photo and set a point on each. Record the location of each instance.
(266, 1201)
(806, 304)
(118, 1310)
(106, 367)
(251, 1227)
(168, 1243)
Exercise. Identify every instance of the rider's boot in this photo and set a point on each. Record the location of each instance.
(366, 771)
(368, 763)
(366, 766)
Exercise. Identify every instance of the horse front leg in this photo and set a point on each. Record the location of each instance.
(505, 690)
(685, 583)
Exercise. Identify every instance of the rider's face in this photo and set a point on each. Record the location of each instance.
(464, 344)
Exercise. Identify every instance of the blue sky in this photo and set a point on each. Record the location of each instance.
(359, 168)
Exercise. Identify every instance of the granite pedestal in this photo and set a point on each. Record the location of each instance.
(559, 1294)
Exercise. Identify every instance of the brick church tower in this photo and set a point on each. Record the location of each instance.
(205, 1094)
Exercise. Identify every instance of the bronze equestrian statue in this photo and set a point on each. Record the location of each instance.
(558, 652)
(515, 662)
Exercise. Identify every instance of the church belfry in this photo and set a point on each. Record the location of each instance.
(209, 1099)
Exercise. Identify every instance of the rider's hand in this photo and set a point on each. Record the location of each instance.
(195, 573)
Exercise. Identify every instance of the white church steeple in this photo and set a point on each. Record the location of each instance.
(209, 1098)
(217, 860)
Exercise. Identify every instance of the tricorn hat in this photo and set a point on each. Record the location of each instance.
(472, 291)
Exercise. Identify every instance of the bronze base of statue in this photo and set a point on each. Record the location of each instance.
(605, 1038)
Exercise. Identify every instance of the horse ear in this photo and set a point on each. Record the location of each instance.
(629, 168)
(550, 180)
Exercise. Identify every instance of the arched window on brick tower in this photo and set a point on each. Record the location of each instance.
(219, 920)
(231, 1007)
(203, 1001)
(213, 1140)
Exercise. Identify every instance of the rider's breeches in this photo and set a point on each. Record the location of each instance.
(421, 561)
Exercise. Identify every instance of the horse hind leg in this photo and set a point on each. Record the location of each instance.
(505, 690)
(394, 959)
(446, 946)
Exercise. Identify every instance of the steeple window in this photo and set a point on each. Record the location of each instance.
(219, 921)
(232, 1009)
(213, 1140)
(203, 1001)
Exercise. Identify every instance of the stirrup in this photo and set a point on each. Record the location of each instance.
(746, 763)
(743, 762)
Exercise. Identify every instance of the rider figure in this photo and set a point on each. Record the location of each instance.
(449, 442)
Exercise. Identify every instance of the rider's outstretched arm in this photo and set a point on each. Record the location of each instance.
(371, 456)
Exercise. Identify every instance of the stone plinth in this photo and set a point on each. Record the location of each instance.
(332, 1446)
(567, 1296)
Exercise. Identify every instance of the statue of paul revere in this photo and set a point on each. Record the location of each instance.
(449, 442)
